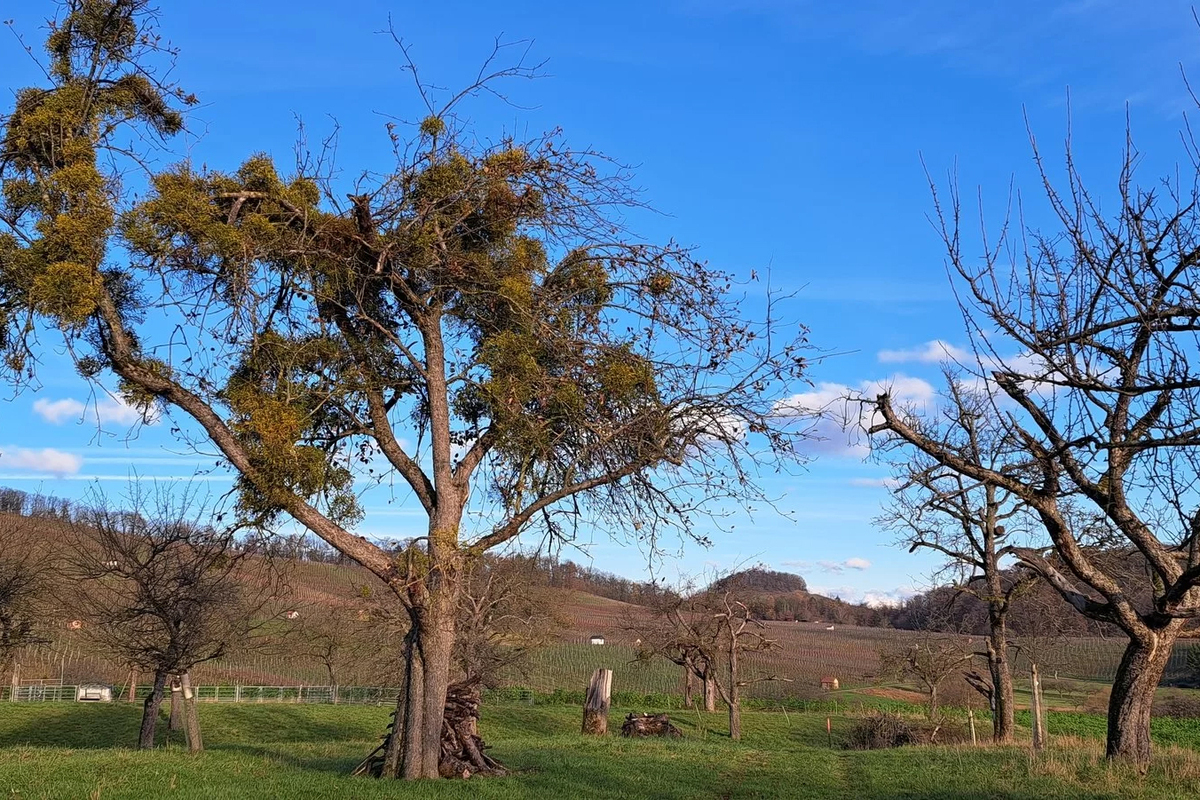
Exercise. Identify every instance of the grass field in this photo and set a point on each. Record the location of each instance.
(286, 751)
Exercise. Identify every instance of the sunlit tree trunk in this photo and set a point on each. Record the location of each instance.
(1138, 676)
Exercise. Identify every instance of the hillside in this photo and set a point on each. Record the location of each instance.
(814, 633)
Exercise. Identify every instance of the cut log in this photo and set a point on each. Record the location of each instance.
(595, 707)
(639, 725)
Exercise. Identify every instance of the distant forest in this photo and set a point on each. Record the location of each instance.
(769, 594)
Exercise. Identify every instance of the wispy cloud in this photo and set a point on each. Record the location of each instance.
(879, 483)
(49, 476)
(45, 460)
(933, 352)
(104, 411)
(1109, 52)
(830, 567)
(840, 429)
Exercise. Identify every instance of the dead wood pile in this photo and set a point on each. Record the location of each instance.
(462, 748)
(638, 725)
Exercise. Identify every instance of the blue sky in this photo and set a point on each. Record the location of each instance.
(776, 136)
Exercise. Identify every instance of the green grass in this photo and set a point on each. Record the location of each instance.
(291, 751)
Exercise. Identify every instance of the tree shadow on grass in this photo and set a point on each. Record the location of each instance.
(77, 726)
(73, 726)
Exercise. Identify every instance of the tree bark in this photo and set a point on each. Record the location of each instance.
(437, 644)
(710, 692)
(595, 706)
(688, 682)
(150, 712)
(1002, 682)
(735, 691)
(404, 752)
(176, 719)
(191, 715)
(1133, 690)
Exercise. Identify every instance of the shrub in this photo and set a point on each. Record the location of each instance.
(881, 731)
(886, 729)
(1177, 704)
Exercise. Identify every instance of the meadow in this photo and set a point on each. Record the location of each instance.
(66, 750)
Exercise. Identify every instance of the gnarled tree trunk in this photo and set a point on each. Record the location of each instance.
(150, 712)
(415, 747)
(710, 692)
(1138, 676)
(1002, 682)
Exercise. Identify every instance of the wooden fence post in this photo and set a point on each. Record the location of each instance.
(191, 715)
(1039, 722)
(595, 707)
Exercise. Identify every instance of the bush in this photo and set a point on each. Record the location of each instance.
(881, 731)
(885, 729)
(1177, 704)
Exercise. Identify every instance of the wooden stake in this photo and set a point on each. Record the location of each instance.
(1039, 722)
(829, 731)
(595, 707)
(971, 719)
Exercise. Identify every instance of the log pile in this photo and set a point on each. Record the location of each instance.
(462, 749)
(639, 725)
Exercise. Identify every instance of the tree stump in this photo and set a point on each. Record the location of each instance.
(595, 707)
(640, 725)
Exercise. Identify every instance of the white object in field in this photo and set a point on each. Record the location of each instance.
(93, 693)
(829, 628)
(597, 639)
(292, 614)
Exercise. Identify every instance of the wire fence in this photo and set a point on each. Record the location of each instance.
(340, 695)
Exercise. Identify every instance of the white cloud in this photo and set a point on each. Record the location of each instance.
(108, 410)
(872, 597)
(57, 411)
(877, 483)
(46, 459)
(889, 598)
(829, 566)
(845, 411)
(933, 352)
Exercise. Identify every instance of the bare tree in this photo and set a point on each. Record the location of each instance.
(707, 633)
(163, 593)
(484, 299)
(25, 571)
(684, 632)
(929, 661)
(973, 524)
(504, 615)
(345, 638)
(1091, 333)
